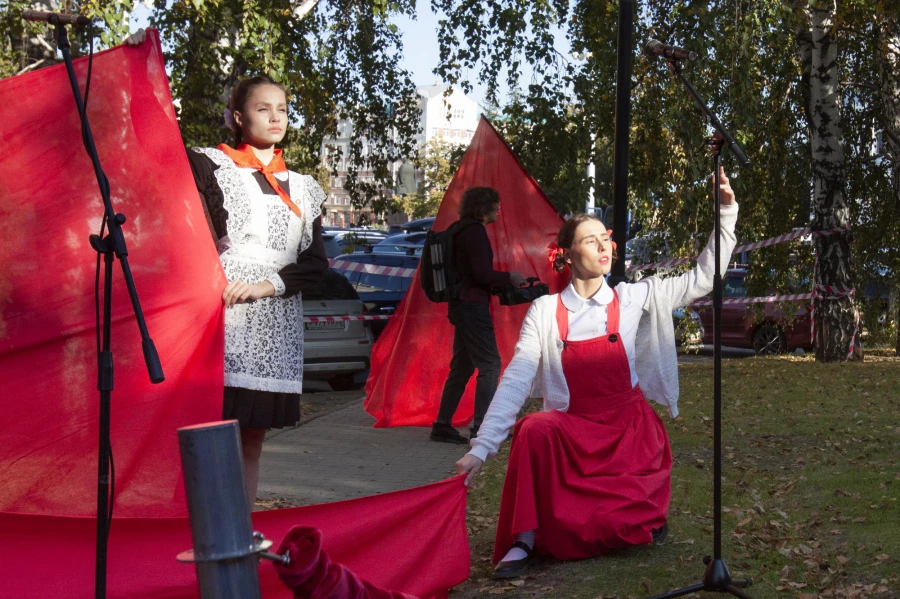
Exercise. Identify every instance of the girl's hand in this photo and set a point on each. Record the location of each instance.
(726, 194)
(136, 39)
(471, 465)
(239, 292)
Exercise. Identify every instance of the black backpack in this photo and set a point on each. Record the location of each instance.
(437, 275)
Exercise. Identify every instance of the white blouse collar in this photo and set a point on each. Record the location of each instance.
(574, 302)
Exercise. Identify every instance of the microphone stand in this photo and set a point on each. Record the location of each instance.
(112, 246)
(717, 578)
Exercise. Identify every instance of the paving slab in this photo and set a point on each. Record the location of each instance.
(340, 456)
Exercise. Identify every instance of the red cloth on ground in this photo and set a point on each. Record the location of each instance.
(312, 575)
(411, 359)
(596, 477)
(413, 541)
(48, 444)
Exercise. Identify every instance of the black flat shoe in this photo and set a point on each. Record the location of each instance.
(660, 534)
(444, 433)
(515, 568)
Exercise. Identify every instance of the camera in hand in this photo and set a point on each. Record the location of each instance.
(512, 296)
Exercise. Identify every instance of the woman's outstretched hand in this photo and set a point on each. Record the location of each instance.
(726, 194)
(469, 465)
(136, 39)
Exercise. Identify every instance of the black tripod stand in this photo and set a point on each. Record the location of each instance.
(716, 578)
(111, 246)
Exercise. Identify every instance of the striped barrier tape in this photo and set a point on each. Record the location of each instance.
(744, 248)
(791, 297)
(833, 292)
(374, 269)
(343, 318)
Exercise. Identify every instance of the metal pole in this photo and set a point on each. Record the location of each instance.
(623, 127)
(224, 550)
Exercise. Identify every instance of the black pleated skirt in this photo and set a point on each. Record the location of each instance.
(260, 409)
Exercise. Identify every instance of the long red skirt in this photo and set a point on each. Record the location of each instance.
(588, 482)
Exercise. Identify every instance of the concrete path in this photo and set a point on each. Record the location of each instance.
(340, 456)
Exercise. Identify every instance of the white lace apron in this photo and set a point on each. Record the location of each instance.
(263, 339)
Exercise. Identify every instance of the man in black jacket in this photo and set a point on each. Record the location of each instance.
(474, 343)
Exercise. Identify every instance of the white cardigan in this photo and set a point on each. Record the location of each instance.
(539, 349)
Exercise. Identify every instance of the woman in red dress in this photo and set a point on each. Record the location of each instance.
(591, 472)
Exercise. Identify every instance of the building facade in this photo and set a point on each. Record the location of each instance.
(452, 119)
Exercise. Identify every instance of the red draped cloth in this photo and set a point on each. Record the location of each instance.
(312, 575)
(412, 541)
(411, 359)
(593, 478)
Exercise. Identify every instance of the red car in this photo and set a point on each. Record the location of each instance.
(773, 333)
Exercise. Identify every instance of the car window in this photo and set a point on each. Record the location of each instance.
(371, 283)
(735, 287)
(333, 286)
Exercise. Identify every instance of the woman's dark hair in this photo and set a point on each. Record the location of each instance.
(242, 92)
(478, 202)
(566, 238)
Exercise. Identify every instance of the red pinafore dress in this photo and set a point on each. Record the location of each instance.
(596, 477)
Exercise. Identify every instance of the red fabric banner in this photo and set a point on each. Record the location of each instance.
(412, 541)
(411, 359)
(49, 204)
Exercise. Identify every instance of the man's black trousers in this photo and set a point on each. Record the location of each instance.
(474, 347)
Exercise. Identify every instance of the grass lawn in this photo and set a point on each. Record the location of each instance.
(811, 484)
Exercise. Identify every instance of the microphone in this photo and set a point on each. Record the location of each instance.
(55, 18)
(657, 48)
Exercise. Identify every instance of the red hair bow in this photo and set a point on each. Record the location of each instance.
(610, 231)
(555, 251)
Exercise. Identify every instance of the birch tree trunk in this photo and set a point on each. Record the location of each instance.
(835, 320)
(889, 88)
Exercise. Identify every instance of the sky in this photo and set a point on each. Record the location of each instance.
(420, 48)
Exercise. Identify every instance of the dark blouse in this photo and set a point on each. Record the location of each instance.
(474, 261)
(311, 263)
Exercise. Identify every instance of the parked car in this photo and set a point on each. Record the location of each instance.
(335, 351)
(338, 241)
(420, 224)
(401, 243)
(683, 320)
(774, 333)
(380, 293)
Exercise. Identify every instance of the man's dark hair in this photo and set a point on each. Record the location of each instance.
(478, 202)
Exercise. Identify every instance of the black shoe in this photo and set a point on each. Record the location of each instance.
(444, 433)
(515, 568)
(660, 534)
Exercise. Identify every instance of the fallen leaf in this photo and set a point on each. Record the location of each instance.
(843, 560)
(517, 583)
(882, 557)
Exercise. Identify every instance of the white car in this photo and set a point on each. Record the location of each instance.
(337, 351)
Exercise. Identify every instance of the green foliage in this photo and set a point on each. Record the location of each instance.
(339, 61)
(749, 72)
(437, 160)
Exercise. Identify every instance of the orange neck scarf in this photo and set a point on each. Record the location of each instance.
(244, 156)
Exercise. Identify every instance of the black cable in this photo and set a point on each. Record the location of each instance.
(105, 183)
